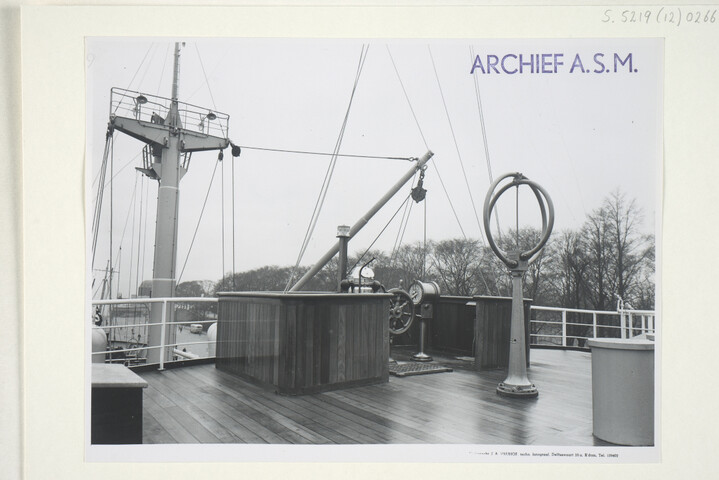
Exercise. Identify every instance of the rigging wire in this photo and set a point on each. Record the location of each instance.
(102, 284)
(328, 154)
(481, 122)
(451, 205)
(414, 115)
(456, 145)
(233, 223)
(162, 73)
(484, 133)
(99, 198)
(330, 170)
(136, 72)
(144, 237)
(121, 168)
(516, 208)
(402, 230)
(147, 68)
(439, 176)
(405, 218)
(130, 209)
(132, 236)
(404, 202)
(104, 162)
(194, 235)
(118, 261)
(207, 82)
(424, 247)
(112, 209)
(486, 154)
(222, 219)
(333, 161)
(140, 232)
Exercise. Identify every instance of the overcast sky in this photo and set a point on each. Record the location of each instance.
(579, 134)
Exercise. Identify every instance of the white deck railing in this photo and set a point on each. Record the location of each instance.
(129, 326)
(568, 327)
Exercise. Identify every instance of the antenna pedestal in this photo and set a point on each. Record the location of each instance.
(517, 383)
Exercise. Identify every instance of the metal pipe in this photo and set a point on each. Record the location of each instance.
(343, 236)
(362, 222)
(176, 74)
(162, 335)
(188, 355)
(594, 325)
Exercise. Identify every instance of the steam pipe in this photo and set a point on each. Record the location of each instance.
(362, 221)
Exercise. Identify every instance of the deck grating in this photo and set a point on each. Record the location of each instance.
(200, 404)
(406, 369)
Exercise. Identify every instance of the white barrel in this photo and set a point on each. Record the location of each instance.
(212, 338)
(99, 344)
(623, 390)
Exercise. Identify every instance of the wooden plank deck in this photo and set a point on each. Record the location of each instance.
(200, 404)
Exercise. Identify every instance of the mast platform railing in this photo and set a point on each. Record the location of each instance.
(154, 109)
(572, 327)
(126, 323)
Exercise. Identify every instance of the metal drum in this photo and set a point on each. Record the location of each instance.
(422, 292)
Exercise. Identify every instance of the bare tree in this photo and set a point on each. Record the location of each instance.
(409, 263)
(620, 259)
(457, 263)
(629, 248)
(566, 272)
(534, 279)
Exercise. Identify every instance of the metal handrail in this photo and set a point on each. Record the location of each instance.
(626, 326)
(121, 301)
(164, 344)
(123, 103)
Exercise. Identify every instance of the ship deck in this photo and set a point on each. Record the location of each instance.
(200, 404)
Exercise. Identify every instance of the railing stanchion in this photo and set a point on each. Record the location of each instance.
(558, 327)
(162, 334)
(594, 324)
(622, 324)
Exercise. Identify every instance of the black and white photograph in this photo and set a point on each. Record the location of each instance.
(373, 250)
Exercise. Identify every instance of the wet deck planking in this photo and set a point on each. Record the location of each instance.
(200, 404)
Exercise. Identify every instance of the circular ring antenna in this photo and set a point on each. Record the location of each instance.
(545, 206)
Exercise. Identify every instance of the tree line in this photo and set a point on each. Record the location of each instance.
(591, 267)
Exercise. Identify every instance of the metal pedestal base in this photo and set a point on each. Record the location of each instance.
(421, 357)
(517, 391)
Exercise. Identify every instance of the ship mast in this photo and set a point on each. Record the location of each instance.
(168, 142)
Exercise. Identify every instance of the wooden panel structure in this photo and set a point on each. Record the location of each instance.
(303, 342)
(471, 326)
(201, 404)
(452, 329)
(492, 331)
